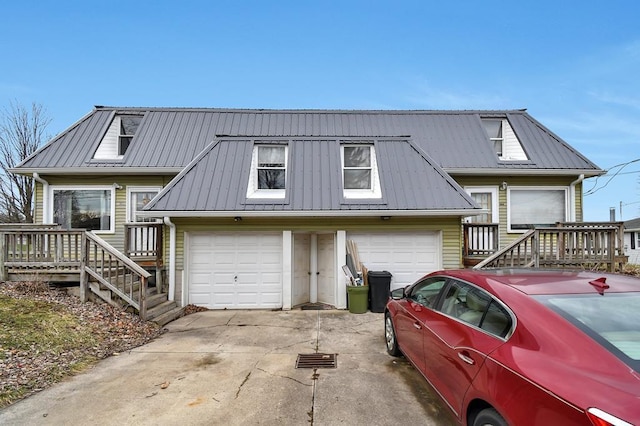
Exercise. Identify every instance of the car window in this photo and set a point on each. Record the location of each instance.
(476, 307)
(427, 291)
(611, 319)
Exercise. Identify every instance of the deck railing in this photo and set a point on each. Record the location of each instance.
(575, 245)
(45, 253)
(480, 239)
(143, 240)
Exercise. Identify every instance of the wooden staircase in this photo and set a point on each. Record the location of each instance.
(80, 256)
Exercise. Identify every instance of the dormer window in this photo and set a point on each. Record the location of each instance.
(359, 172)
(118, 137)
(494, 131)
(128, 127)
(503, 139)
(268, 172)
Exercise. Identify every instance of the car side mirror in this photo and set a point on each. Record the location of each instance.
(398, 293)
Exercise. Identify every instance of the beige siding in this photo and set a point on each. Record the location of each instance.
(116, 239)
(450, 227)
(508, 237)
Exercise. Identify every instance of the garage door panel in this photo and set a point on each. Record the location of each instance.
(235, 270)
(407, 255)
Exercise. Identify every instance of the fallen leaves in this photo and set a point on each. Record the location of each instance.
(30, 365)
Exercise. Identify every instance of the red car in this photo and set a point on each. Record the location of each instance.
(524, 347)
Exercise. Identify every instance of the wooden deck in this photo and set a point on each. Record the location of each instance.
(48, 253)
(586, 245)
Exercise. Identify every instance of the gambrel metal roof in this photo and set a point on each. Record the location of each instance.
(170, 138)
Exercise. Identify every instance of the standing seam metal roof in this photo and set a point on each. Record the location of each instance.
(173, 137)
(409, 180)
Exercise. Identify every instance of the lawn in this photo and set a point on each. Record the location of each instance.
(47, 335)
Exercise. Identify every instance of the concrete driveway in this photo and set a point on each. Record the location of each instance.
(239, 368)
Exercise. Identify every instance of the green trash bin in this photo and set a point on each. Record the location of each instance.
(358, 298)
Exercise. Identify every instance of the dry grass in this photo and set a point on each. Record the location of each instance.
(46, 335)
(631, 269)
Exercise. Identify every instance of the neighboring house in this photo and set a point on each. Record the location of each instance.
(632, 240)
(256, 206)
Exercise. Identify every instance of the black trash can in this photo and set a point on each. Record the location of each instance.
(379, 287)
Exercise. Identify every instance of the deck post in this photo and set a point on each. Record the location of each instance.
(3, 248)
(84, 278)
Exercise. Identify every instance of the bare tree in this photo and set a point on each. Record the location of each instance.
(22, 131)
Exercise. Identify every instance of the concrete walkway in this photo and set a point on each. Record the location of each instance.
(238, 368)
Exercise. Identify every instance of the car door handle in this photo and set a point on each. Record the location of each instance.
(466, 358)
(417, 325)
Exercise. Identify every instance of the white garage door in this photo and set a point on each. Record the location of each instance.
(407, 255)
(235, 270)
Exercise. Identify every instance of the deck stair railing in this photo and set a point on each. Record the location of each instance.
(114, 271)
(589, 245)
(44, 252)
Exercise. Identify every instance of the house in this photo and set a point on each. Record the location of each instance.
(254, 208)
(632, 240)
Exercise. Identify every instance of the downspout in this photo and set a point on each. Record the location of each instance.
(45, 196)
(172, 258)
(572, 196)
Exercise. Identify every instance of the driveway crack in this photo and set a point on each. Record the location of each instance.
(246, 379)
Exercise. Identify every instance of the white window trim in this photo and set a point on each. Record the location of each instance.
(533, 188)
(495, 213)
(375, 191)
(112, 214)
(132, 189)
(252, 187)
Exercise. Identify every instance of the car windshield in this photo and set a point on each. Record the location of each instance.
(613, 320)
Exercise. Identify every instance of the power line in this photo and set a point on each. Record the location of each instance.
(620, 167)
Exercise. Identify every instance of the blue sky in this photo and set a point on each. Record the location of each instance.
(574, 65)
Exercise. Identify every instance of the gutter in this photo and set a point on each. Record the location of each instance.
(45, 195)
(172, 259)
(312, 213)
(572, 195)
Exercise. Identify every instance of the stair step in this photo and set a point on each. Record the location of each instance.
(160, 309)
(154, 300)
(168, 316)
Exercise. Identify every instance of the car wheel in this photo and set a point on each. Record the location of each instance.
(390, 336)
(489, 417)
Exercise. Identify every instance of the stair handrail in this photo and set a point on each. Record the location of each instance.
(131, 266)
(536, 245)
(500, 253)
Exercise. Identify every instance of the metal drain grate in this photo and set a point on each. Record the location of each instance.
(317, 361)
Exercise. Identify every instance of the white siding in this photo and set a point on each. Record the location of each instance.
(108, 148)
(511, 148)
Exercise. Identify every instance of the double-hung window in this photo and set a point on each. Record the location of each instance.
(128, 127)
(359, 171)
(138, 198)
(268, 177)
(530, 206)
(493, 127)
(91, 208)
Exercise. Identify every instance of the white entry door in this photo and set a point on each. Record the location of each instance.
(326, 269)
(318, 272)
(300, 291)
(234, 270)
